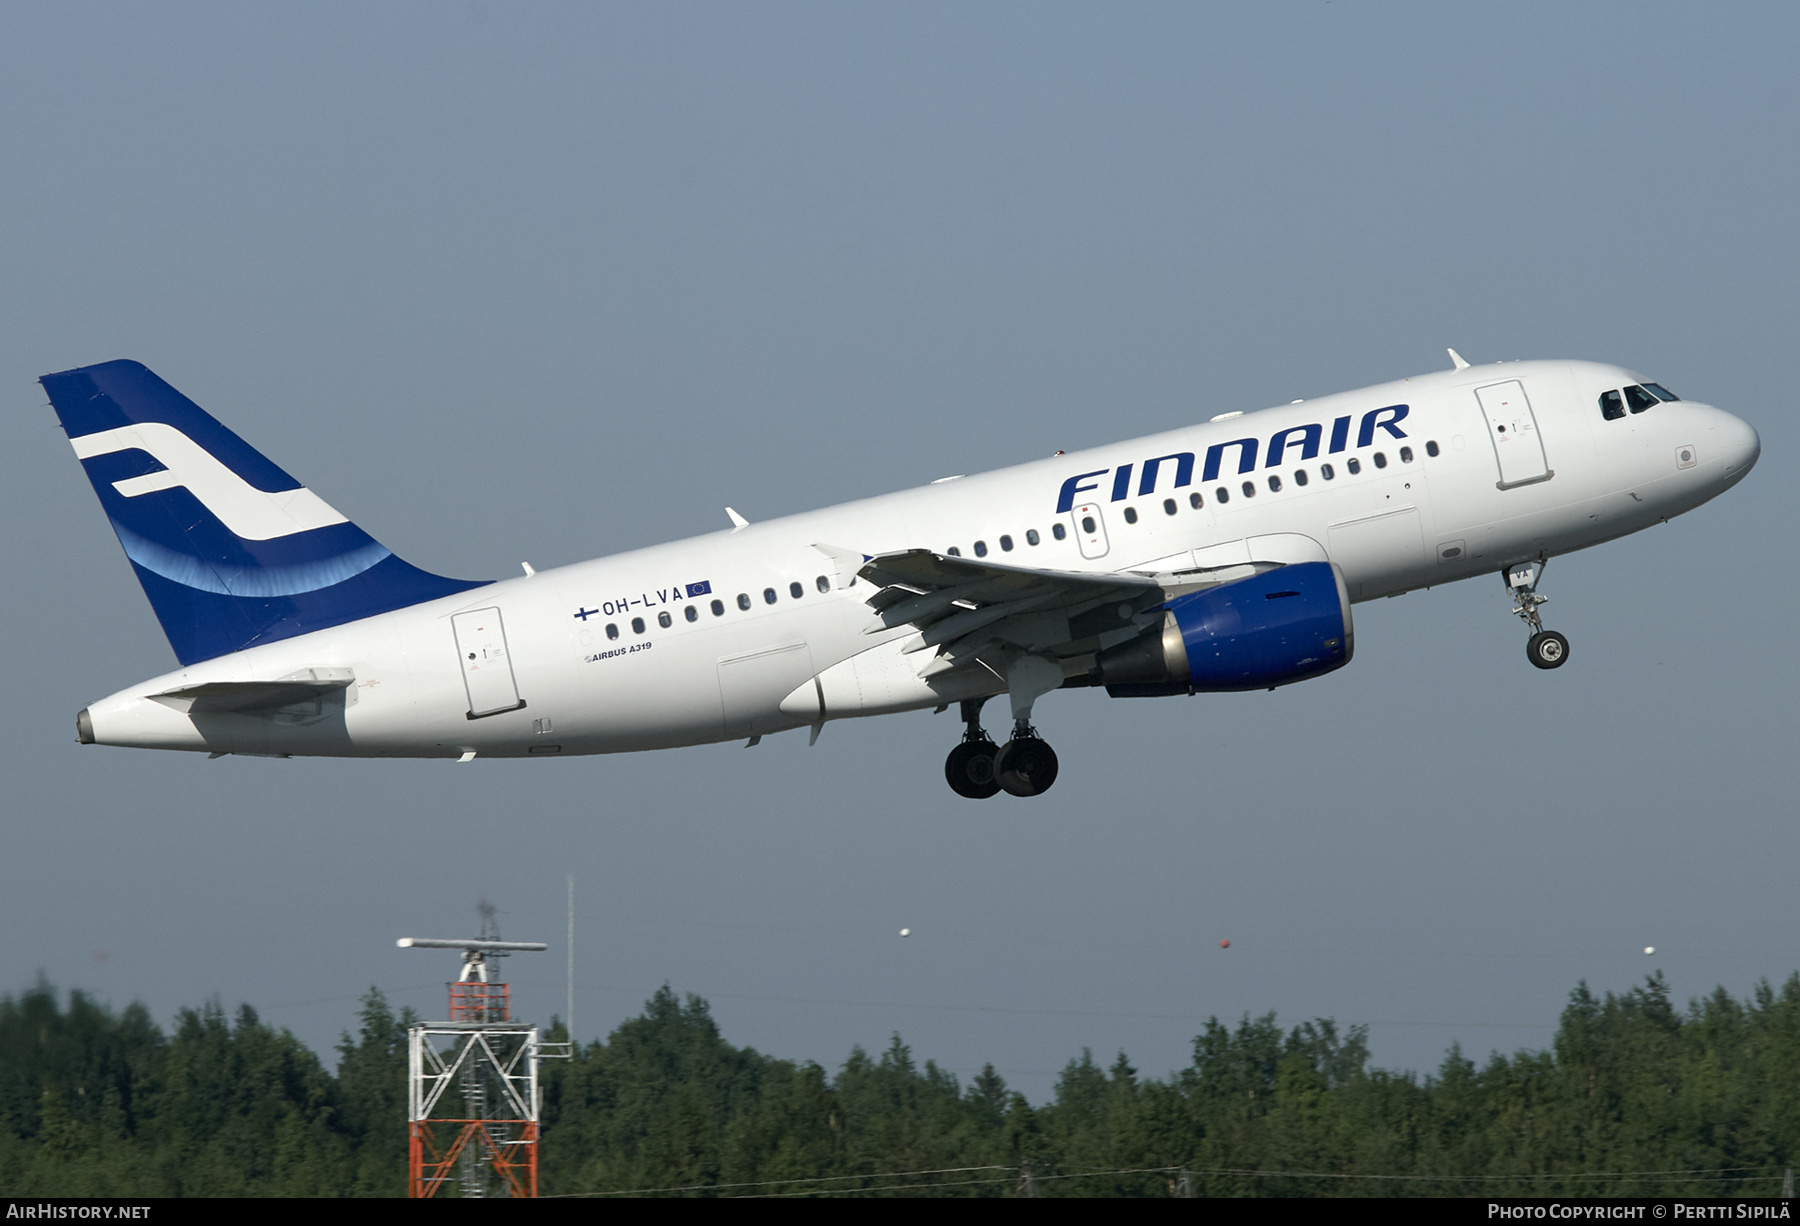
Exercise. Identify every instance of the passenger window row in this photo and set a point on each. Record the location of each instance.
(1221, 494)
(691, 612)
(1006, 542)
(1637, 397)
(1300, 477)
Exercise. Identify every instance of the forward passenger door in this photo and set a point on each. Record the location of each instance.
(1512, 428)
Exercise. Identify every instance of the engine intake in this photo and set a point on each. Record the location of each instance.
(1282, 626)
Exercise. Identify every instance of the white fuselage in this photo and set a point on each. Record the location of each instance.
(1406, 520)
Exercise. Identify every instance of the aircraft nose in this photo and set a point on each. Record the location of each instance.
(1738, 444)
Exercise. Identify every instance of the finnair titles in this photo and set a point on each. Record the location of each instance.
(1219, 556)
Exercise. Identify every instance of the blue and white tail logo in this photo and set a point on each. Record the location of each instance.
(231, 550)
(255, 515)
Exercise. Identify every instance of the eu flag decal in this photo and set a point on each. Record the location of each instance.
(699, 589)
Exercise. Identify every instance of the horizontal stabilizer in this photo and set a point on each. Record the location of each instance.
(307, 685)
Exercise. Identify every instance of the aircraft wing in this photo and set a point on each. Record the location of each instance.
(964, 608)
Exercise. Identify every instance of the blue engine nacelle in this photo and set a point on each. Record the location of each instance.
(1281, 626)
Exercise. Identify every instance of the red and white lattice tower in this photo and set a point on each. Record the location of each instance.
(472, 1101)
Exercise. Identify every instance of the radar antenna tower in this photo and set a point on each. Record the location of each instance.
(472, 1097)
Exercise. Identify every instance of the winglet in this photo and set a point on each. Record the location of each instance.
(1457, 358)
(738, 522)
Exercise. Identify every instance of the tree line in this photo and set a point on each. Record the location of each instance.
(1633, 1097)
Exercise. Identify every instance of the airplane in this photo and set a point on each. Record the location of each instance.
(1219, 556)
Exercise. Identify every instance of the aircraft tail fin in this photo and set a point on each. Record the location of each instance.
(231, 550)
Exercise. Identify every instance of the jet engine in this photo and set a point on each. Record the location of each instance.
(1282, 626)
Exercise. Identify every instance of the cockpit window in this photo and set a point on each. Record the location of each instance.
(1638, 398)
(1660, 392)
(1612, 405)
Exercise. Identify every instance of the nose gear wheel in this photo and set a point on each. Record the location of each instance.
(1545, 648)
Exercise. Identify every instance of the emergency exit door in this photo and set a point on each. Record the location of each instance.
(1090, 530)
(486, 665)
(1518, 448)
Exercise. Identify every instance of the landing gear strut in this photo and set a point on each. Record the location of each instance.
(1025, 765)
(970, 767)
(1545, 648)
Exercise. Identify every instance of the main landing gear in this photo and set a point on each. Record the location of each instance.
(1545, 648)
(970, 767)
(1025, 765)
(978, 768)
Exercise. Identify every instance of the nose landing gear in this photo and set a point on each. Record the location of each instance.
(1545, 648)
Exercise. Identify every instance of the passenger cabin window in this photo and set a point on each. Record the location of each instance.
(612, 631)
(822, 583)
(1431, 448)
(1660, 392)
(1006, 544)
(1406, 455)
(744, 601)
(1249, 489)
(1221, 495)
(1612, 405)
(1087, 524)
(1058, 531)
(718, 608)
(795, 590)
(637, 625)
(1130, 516)
(1274, 484)
(1381, 459)
(1031, 536)
(1327, 471)
(664, 620)
(1300, 477)
(1169, 507)
(1638, 398)
(692, 612)
(1194, 500)
(768, 595)
(981, 549)
(1353, 465)
(954, 552)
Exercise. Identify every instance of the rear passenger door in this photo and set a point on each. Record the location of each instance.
(486, 664)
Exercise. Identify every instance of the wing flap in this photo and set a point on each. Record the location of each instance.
(924, 571)
(974, 611)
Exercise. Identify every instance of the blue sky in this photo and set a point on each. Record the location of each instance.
(543, 282)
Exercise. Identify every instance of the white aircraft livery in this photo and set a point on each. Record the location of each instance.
(1219, 556)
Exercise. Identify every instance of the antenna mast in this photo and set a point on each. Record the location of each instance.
(472, 1101)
